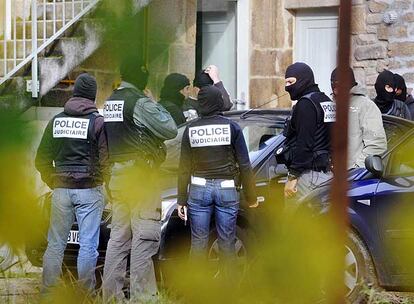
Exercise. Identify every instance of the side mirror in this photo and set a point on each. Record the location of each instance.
(373, 163)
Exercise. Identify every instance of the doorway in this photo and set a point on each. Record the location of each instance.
(316, 43)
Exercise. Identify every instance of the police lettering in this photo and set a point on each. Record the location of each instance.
(70, 127)
(329, 109)
(113, 111)
(210, 135)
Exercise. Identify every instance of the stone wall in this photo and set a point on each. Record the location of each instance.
(378, 46)
(271, 53)
(375, 45)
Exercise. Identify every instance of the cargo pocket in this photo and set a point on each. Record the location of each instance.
(149, 230)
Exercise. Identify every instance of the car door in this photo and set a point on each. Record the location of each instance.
(394, 203)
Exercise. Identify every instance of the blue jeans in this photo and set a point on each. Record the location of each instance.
(202, 203)
(87, 205)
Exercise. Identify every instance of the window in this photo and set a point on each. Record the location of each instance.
(402, 160)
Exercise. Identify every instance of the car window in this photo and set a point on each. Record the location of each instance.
(402, 160)
(393, 132)
(258, 136)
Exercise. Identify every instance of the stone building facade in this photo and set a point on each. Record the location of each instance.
(171, 44)
(375, 45)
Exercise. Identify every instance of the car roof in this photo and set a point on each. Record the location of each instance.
(278, 115)
(398, 120)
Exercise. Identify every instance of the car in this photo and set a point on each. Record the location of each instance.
(263, 132)
(376, 194)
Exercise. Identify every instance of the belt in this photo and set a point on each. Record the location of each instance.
(200, 181)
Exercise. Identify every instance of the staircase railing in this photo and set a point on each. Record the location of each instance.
(30, 26)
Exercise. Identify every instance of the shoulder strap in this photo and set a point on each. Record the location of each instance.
(318, 109)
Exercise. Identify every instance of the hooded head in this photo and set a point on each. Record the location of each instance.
(85, 87)
(385, 88)
(135, 72)
(173, 84)
(400, 88)
(202, 79)
(210, 101)
(299, 80)
(335, 77)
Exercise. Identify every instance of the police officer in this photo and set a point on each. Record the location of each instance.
(386, 100)
(136, 128)
(366, 134)
(75, 142)
(213, 157)
(308, 132)
(175, 91)
(402, 95)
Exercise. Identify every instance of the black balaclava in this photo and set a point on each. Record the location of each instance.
(85, 86)
(202, 79)
(210, 101)
(133, 70)
(334, 77)
(400, 84)
(173, 84)
(384, 99)
(305, 81)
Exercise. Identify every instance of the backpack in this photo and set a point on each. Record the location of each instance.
(156, 118)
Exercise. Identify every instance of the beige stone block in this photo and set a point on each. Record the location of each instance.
(359, 75)
(402, 4)
(182, 59)
(166, 20)
(409, 17)
(191, 21)
(268, 27)
(382, 65)
(262, 91)
(375, 51)
(283, 60)
(383, 32)
(375, 18)
(377, 6)
(263, 63)
(364, 39)
(401, 49)
(371, 29)
(394, 64)
(399, 31)
(303, 4)
(358, 19)
(371, 79)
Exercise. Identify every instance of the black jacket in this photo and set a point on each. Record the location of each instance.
(56, 157)
(220, 156)
(311, 134)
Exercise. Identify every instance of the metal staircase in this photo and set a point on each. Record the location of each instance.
(30, 29)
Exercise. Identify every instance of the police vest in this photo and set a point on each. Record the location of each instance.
(326, 116)
(77, 147)
(126, 139)
(212, 152)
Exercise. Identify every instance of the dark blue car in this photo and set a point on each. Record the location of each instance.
(376, 196)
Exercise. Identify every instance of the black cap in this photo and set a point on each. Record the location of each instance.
(334, 76)
(85, 86)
